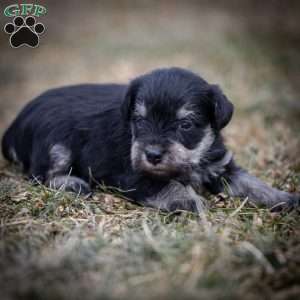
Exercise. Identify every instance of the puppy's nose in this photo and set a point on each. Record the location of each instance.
(154, 154)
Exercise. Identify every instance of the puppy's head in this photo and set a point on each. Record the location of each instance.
(174, 116)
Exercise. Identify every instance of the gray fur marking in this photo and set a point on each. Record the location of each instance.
(192, 157)
(60, 160)
(14, 157)
(184, 112)
(140, 109)
(218, 167)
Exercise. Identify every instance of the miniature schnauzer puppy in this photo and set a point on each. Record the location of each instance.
(157, 139)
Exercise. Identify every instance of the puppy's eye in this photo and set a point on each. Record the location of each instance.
(185, 125)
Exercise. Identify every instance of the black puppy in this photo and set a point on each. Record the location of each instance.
(157, 139)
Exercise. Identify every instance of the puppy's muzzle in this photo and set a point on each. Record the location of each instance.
(154, 154)
(154, 159)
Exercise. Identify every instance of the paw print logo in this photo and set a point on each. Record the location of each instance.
(24, 31)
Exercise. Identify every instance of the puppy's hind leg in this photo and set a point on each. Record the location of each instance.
(69, 184)
(59, 174)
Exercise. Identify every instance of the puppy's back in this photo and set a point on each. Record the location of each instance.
(57, 108)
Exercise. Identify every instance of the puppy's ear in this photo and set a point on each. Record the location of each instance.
(129, 100)
(222, 108)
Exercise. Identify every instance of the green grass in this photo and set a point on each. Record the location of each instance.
(55, 245)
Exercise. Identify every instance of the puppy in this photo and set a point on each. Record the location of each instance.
(157, 139)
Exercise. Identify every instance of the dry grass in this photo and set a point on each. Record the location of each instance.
(55, 245)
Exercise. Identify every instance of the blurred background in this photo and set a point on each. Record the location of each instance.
(250, 48)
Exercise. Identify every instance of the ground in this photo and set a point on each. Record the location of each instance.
(55, 245)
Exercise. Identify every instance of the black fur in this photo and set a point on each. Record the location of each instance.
(88, 132)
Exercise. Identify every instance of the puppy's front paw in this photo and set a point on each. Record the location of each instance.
(176, 196)
(291, 203)
(187, 205)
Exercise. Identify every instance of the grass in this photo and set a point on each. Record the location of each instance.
(55, 245)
